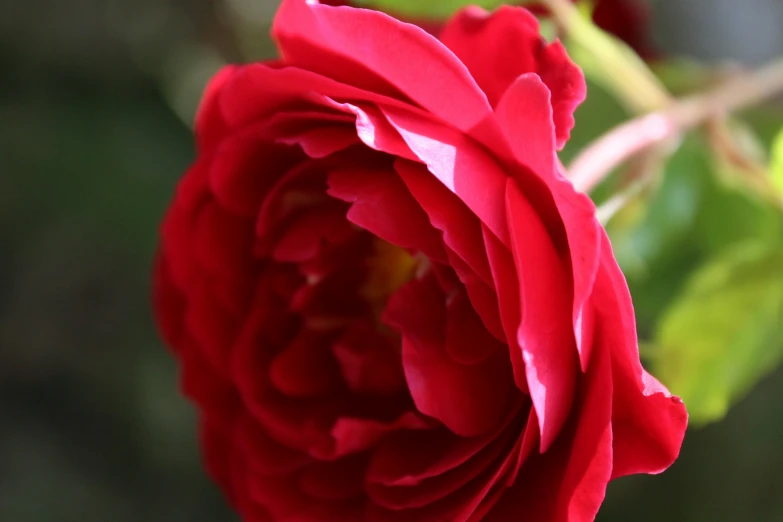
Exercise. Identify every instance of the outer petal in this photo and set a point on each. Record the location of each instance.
(210, 123)
(260, 91)
(568, 483)
(353, 45)
(649, 424)
(498, 47)
(545, 336)
(525, 118)
(168, 303)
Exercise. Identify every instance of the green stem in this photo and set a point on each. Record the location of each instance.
(618, 145)
(609, 61)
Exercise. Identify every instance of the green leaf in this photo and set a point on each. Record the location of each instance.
(691, 217)
(654, 239)
(610, 62)
(776, 164)
(724, 332)
(432, 9)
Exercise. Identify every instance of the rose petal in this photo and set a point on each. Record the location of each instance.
(409, 458)
(211, 327)
(353, 435)
(469, 399)
(461, 229)
(525, 118)
(222, 243)
(307, 233)
(168, 303)
(504, 273)
(210, 121)
(261, 453)
(459, 163)
(503, 476)
(338, 480)
(280, 496)
(244, 169)
(370, 361)
(177, 229)
(448, 482)
(467, 340)
(499, 47)
(382, 205)
(305, 368)
(322, 142)
(298, 190)
(352, 45)
(648, 422)
(374, 130)
(545, 335)
(482, 297)
(200, 382)
(568, 482)
(257, 92)
(329, 297)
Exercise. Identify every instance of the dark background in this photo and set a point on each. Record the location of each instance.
(96, 98)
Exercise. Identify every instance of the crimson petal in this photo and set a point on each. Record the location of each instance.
(353, 45)
(499, 47)
(649, 423)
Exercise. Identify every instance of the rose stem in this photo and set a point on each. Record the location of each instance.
(618, 145)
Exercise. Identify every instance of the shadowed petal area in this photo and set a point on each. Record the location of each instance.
(467, 340)
(461, 229)
(448, 482)
(352, 435)
(470, 399)
(507, 284)
(305, 367)
(462, 237)
(370, 360)
(336, 480)
(568, 482)
(499, 47)
(263, 454)
(308, 232)
(382, 205)
(410, 458)
(244, 169)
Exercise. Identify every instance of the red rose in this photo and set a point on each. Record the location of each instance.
(388, 302)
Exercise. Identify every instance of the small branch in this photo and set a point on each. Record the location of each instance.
(609, 61)
(634, 136)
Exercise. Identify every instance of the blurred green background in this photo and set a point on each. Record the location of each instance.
(96, 97)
